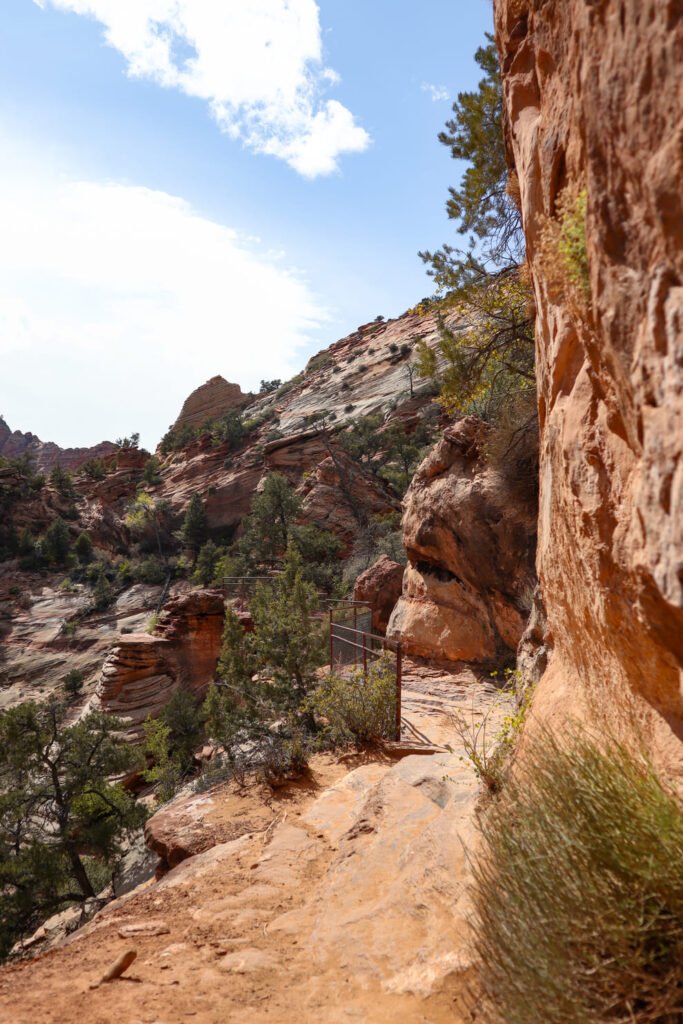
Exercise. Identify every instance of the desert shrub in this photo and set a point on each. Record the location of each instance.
(151, 471)
(563, 250)
(207, 563)
(94, 469)
(152, 623)
(150, 570)
(62, 482)
(170, 742)
(73, 683)
(103, 593)
(579, 892)
(83, 548)
(318, 362)
(393, 348)
(349, 408)
(195, 528)
(267, 386)
(357, 707)
(56, 542)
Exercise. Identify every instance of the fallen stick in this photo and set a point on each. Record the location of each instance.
(119, 967)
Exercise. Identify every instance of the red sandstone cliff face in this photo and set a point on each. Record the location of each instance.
(592, 94)
(470, 545)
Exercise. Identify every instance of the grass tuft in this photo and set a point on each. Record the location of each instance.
(579, 892)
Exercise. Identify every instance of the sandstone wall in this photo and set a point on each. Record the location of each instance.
(592, 98)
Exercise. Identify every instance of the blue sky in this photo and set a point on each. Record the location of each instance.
(225, 189)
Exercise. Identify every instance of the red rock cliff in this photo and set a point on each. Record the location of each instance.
(592, 99)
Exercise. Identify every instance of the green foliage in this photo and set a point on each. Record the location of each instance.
(128, 442)
(73, 683)
(83, 548)
(150, 570)
(94, 469)
(579, 894)
(357, 707)
(62, 481)
(389, 451)
(257, 710)
(268, 386)
(149, 516)
(171, 741)
(57, 810)
(103, 593)
(481, 205)
(56, 543)
(206, 565)
(195, 526)
(563, 250)
(151, 471)
(273, 511)
(152, 623)
(163, 770)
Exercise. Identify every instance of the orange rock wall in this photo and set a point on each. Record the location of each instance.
(592, 98)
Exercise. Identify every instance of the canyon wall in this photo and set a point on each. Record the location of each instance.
(592, 100)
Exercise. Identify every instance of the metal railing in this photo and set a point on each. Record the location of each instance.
(353, 646)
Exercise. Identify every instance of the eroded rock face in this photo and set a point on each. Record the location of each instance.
(46, 454)
(470, 546)
(143, 671)
(210, 401)
(380, 587)
(592, 97)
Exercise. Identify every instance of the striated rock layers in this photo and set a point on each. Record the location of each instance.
(470, 547)
(46, 454)
(592, 100)
(210, 401)
(143, 671)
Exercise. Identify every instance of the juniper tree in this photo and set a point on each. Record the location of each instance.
(62, 820)
(195, 526)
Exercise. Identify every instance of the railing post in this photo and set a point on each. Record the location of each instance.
(399, 674)
(331, 646)
(365, 656)
(355, 630)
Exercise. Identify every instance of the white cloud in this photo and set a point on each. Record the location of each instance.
(257, 63)
(116, 301)
(438, 93)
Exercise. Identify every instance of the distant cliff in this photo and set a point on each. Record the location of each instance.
(46, 454)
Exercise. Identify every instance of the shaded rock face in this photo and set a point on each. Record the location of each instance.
(470, 546)
(46, 454)
(592, 100)
(380, 588)
(211, 401)
(143, 671)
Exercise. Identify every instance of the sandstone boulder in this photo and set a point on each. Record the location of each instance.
(470, 544)
(380, 587)
(143, 671)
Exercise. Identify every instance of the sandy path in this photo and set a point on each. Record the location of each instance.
(351, 905)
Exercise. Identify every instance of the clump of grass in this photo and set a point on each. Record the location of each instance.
(579, 891)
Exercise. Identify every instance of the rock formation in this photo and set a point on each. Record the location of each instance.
(210, 401)
(46, 454)
(470, 547)
(380, 588)
(592, 95)
(143, 671)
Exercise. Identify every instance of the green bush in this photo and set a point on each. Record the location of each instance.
(356, 707)
(579, 892)
(73, 682)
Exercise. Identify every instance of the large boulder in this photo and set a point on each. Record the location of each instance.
(380, 588)
(211, 401)
(143, 671)
(470, 543)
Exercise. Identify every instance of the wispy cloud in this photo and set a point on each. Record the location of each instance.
(438, 93)
(117, 300)
(257, 63)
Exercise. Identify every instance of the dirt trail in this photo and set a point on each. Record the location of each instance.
(351, 904)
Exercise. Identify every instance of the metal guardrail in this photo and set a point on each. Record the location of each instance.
(350, 645)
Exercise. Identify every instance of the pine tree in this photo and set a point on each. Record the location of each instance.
(60, 815)
(195, 526)
(56, 542)
(83, 548)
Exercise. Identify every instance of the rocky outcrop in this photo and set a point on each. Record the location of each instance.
(380, 588)
(45, 455)
(592, 99)
(143, 671)
(210, 401)
(470, 547)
